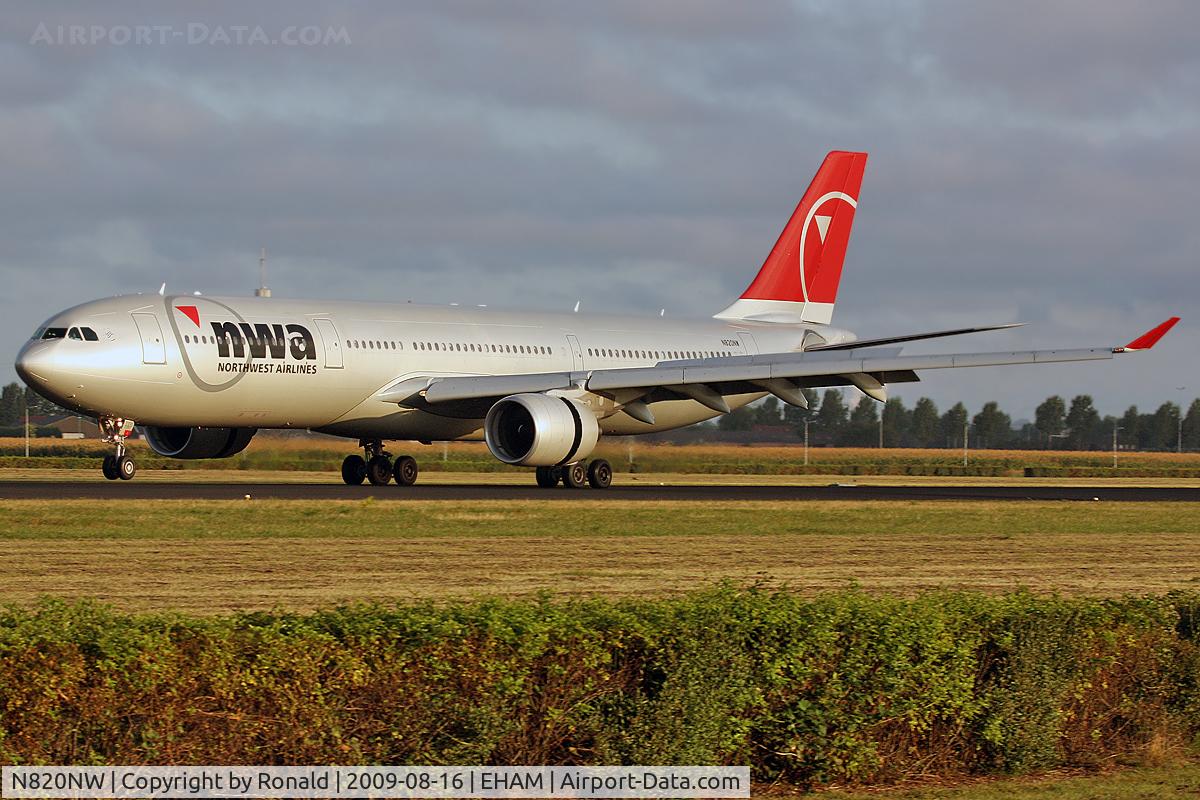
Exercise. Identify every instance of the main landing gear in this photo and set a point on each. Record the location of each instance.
(119, 464)
(597, 474)
(378, 467)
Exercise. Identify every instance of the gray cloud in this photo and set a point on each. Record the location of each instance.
(1033, 163)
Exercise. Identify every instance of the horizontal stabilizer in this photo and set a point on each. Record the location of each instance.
(912, 337)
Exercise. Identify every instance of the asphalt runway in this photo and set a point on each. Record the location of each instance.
(48, 490)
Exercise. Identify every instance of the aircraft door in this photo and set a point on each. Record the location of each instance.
(154, 350)
(576, 352)
(332, 341)
(748, 343)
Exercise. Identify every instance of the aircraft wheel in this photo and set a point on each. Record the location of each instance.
(109, 468)
(405, 471)
(126, 469)
(574, 476)
(599, 474)
(354, 470)
(547, 477)
(379, 471)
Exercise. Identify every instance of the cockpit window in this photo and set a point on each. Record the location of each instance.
(75, 334)
(90, 335)
(55, 333)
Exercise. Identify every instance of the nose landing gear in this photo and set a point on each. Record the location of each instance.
(377, 467)
(120, 464)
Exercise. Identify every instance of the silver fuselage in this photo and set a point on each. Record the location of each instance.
(276, 363)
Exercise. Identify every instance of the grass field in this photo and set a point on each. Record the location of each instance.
(219, 556)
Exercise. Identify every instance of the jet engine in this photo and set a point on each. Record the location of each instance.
(539, 430)
(198, 442)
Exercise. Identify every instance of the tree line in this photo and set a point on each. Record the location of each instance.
(13, 398)
(1057, 424)
(834, 423)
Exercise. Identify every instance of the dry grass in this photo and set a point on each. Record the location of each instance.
(220, 556)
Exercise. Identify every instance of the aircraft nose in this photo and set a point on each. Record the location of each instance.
(35, 363)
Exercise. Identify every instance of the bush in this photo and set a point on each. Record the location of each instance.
(843, 687)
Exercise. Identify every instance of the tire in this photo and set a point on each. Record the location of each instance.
(126, 469)
(109, 468)
(574, 476)
(405, 471)
(379, 470)
(599, 474)
(354, 470)
(547, 477)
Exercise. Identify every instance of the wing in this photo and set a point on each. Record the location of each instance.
(708, 381)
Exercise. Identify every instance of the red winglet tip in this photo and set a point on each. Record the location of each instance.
(1151, 337)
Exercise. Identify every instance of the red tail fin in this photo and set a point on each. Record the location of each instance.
(799, 280)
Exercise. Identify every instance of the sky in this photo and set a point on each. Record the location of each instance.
(1029, 162)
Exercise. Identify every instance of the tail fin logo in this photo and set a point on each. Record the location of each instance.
(799, 280)
(822, 223)
(191, 312)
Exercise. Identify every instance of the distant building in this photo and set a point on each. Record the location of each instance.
(69, 427)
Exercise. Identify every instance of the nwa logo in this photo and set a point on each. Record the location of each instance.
(276, 341)
(264, 341)
(811, 255)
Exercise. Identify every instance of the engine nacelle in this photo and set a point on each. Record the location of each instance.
(539, 430)
(198, 442)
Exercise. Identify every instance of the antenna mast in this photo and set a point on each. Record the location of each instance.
(262, 290)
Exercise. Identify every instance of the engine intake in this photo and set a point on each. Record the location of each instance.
(198, 442)
(540, 430)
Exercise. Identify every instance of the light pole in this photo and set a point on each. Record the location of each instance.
(1115, 429)
(807, 422)
(1179, 431)
(966, 433)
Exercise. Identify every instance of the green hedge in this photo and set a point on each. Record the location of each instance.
(39, 433)
(842, 687)
(1111, 472)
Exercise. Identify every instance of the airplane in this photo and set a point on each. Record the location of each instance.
(201, 375)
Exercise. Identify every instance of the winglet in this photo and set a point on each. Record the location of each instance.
(1149, 338)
